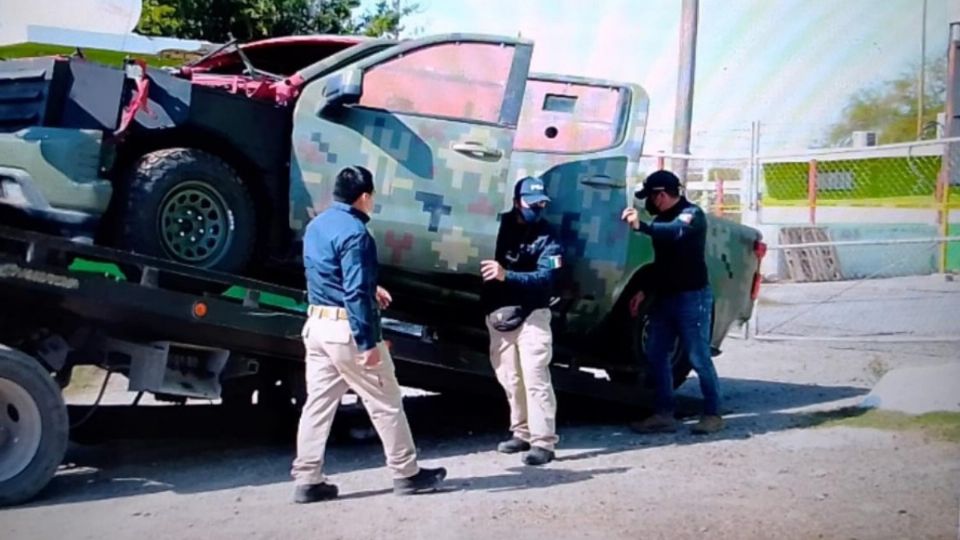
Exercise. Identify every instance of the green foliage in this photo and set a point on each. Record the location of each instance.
(386, 18)
(330, 17)
(157, 19)
(943, 426)
(217, 20)
(110, 58)
(890, 108)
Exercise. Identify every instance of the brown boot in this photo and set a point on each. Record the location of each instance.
(658, 423)
(708, 424)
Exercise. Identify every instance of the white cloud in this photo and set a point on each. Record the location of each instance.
(106, 16)
(789, 63)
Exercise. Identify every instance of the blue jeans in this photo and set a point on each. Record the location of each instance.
(685, 317)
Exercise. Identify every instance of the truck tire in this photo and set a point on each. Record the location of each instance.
(635, 333)
(189, 206)
(33, 427)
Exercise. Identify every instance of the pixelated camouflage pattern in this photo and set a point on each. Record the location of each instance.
(731, 263)
(589, 191)
(63, 166)
(438, 209)
(423, 221)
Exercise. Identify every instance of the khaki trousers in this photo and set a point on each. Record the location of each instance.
(521, 360)
(332, 368)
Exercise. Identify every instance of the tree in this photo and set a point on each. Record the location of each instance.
(386, 17)
(157, 19)
(890, 108)
(217, 20)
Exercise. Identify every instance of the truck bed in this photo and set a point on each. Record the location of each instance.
(57, 92)
(50, 282)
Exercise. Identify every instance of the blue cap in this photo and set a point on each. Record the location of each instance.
(532, 190)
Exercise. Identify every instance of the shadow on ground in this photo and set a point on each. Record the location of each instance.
(192, 449)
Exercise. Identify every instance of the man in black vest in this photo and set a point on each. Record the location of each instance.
(516, 295)
(683, 306)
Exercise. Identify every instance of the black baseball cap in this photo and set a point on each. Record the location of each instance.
(532, 190)
(659, 181)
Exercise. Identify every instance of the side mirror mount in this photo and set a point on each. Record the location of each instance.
(344, 88)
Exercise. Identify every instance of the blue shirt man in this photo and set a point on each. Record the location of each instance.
(344, 347)
(340, 260)
(683, 307)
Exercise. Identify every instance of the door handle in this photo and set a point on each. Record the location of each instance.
(476, 149)
(602, 181)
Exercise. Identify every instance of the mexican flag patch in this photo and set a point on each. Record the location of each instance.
(555, 261)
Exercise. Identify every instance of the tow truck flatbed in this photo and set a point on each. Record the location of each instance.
(122, 295)
(180, 333)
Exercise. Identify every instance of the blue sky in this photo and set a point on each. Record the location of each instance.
(791, 64)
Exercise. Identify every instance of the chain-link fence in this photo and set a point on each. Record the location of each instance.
(861, 244)
(829, 207)
(719, 185)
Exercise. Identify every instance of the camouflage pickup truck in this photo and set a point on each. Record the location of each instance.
(222, 162)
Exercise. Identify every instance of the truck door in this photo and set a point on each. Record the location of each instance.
(584, 138)
(434, 120)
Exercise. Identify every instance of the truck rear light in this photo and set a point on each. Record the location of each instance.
(759, 249)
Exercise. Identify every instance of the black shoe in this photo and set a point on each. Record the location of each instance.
(423, 481)
(538, 456)
(309, 493)
(513, 446)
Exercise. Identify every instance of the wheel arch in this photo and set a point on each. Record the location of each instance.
(625, 290)
(267, 188)
(136, 147)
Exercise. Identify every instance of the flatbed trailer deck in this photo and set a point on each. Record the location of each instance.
(179, 333)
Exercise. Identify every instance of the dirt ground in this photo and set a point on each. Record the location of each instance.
(772, 473)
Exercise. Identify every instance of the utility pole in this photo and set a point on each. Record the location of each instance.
(685, 72)
(950, 169)
(923, 68)
(952, 107)
(395, 34)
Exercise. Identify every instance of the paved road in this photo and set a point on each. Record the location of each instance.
(768, 475)
(909, 307)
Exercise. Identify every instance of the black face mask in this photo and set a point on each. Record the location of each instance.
(650, 207)
(531, 215)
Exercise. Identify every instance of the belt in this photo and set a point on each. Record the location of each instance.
(327, 312)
